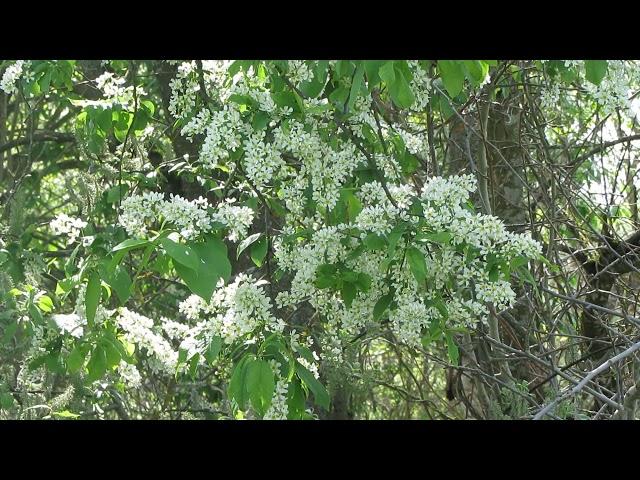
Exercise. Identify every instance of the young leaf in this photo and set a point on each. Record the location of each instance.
(319, 391)
(92, 297)
(246, 242)
(120, 281)
(238, 382)
(356, 85)
(452, 74)
(259, 251)
(45, 303)
(348, 293)
(75, 359)
(181, 253)
(374, 242)
(214, 349)
(97, 365)
(213, 264)
(417, 264)
(452, 349)
(595, 70)
(382, 304)
(130, 244)
(387, 73)
(260, 385)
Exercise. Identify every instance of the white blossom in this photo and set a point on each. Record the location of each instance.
(11, 75)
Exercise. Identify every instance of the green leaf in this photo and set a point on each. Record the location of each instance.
(92, 297)
(387, 73)
(374, 242)
(45, 82)
(182, 254)
(354, 206)
(260, 120)
(320, 393)
(477, 70)
(9, 332)
(213, 265)
(363, 282)
(326, 276)
(494, 272)
(343, 68)
(130, 244)
(452, 349)
(214, 349)
(306, 353)
(286, 99)
(45, 303)
(417, 264)
(437, 237)
(112, 354)
(6, 401)
(348, 293)
(97, 365)
(595, 70)
(295, 400)
(65, 414)
(401, 93)
(382, 304)
(35, 313)
(323, 282)
(120, 281)
(452, 74)
(371, 68)
(356, 85)
(114, 194)
(339, 96)
(409, 163)
(246, 242)
(259, 251)
(103, 119)
(148, 106)
(238, 383)
(75, 359)
(260, 385)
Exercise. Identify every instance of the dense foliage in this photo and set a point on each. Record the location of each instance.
(318, 239)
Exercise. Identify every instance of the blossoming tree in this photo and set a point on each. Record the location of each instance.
(283, 239)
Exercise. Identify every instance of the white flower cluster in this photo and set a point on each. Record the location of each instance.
(572, 63)
(409, 319)
(129, 374)
(278, 410)
(299, 71)
(326, 168)
(197, 125)
(261, 159)
(614, 91)
(63, 224)
(460, 285)
(420, 86)
(550, 96)
(296, 158)
(234, 310)
(61, 401)
(192, 218)
(223, 134)
(112, 86)
(237, 219)
(70, 323)
(184, 89)
(11, 75)
(139, 330)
